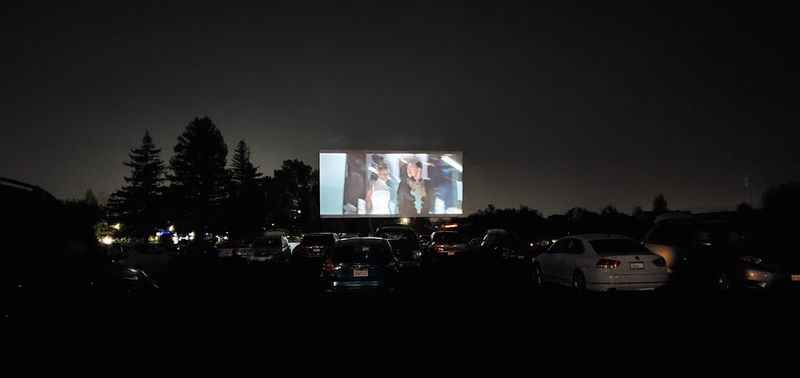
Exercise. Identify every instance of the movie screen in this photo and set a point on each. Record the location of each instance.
(391, 184)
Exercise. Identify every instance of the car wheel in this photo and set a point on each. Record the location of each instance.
(723, 283)
(538, 276)
(578, 281)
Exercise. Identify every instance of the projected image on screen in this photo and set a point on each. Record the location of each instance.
(390, 184)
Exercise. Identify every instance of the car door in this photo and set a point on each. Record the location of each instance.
(550, 261)
(571, 259)
(568, 262)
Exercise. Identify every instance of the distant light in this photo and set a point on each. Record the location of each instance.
(453, 163)
(191, 235)
(117, 226)
(405, 220)
(452, 225)
(171, 228)
(107, 240)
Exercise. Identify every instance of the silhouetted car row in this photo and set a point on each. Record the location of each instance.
(678, 251)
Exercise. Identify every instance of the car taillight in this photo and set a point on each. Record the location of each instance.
(608, 264)
(660, 262)
(328, 266)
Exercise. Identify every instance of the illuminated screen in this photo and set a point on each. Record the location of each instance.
(390, 184)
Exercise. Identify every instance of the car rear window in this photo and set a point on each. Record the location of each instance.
(609, 247)
(318, 240)
(267, 242)
(448, 238)
(377, 253)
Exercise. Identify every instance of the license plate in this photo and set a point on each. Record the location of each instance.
(637, 265)
(451, 253)
(795, 277)
(360, 273)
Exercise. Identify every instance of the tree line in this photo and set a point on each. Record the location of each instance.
(198, 191)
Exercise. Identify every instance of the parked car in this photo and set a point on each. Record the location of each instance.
(601, 262)
(446, 245)
(405, 244)
(722, 254)
(66, 263)
(272, 247)
(359, 264)
(233, 248)
(314, 246)
(504, 246)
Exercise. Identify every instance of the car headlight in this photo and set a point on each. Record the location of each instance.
(417, 254)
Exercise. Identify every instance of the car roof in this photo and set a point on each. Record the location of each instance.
(591, 237)
(395, 228)
(496, 231)
(403, 226)
(360, 239)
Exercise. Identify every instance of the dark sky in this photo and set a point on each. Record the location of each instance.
(553, 108)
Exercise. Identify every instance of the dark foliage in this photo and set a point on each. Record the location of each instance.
(138, 204)
(245, 208)
(198, 177)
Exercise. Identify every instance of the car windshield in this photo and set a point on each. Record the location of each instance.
(318, 240)
(361, 252)
(609, 247)
(448, 238)
(267, 242)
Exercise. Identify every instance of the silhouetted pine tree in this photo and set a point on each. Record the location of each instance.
(660, 204)
(198, 177)
(137, 205)
(246, 207)
(293, 195)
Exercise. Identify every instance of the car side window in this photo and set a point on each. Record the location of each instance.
(559, 247)
(575, 247)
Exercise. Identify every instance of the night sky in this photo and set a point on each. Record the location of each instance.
(553, 108)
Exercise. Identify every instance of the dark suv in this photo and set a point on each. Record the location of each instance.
(405, 244)
(721, 254)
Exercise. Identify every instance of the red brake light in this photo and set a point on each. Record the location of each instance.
(608, 264)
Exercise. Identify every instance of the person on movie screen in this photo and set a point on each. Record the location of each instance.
(414, 194)
(382, 192)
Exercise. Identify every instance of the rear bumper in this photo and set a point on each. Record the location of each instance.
(624, 286)
(268, 259)
(353, 286)
(638, 282)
